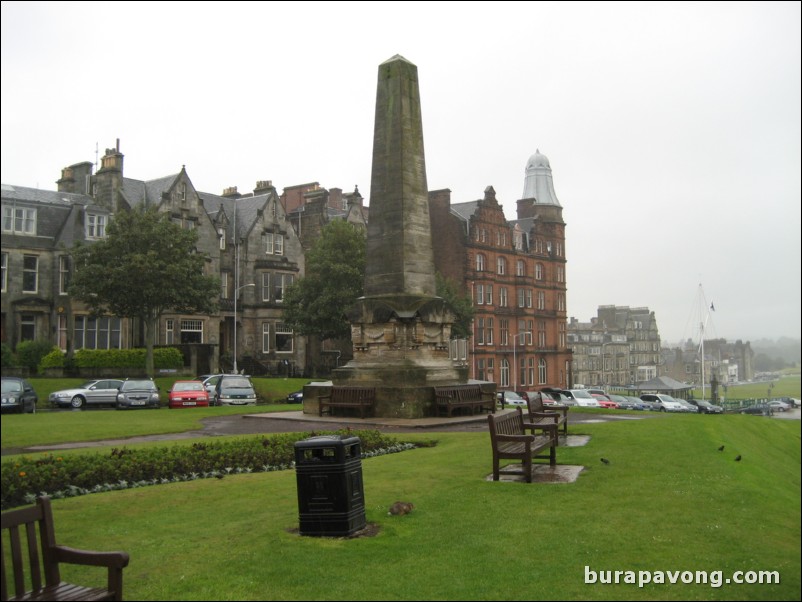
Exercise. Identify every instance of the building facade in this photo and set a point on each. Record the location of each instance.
(514, 271)
(515, 274)
(246, 239)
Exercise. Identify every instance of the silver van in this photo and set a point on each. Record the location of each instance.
(234, 390)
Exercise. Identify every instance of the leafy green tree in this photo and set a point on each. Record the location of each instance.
(335, 272)
(145, 266)
(461, 305)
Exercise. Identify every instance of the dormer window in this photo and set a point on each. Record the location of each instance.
(95, 226)
(19, 220)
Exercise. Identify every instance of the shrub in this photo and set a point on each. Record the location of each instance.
(6, 356)
(54, 359)
(30, 353)
(23, 478)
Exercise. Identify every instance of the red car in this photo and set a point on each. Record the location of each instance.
(188, 394)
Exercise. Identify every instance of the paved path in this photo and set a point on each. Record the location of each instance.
(291, 422)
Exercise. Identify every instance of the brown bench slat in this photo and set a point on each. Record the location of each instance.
(463, 396)
(510, 441)
(347, 397)
(40, 518)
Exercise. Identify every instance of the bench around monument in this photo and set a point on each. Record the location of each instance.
(510, 441)
(463, 396)
(37, 556)
(347, 397)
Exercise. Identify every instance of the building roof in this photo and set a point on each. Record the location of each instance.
(663, 383)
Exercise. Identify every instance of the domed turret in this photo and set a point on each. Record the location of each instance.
(538, 184)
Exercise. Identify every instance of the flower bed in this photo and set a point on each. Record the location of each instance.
(24, 478)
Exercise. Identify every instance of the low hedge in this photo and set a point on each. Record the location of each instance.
(23, 478)
(163, 357)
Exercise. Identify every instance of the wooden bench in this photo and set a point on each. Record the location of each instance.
(347, 397)
(510, 441)
(463, 396)
(38, 556)
(540, 413)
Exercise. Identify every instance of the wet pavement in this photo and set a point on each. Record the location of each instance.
(297, 421)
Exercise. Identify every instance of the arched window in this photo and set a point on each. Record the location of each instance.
(541, 371)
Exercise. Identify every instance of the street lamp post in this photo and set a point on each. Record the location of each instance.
(236, 294)
(515, 359)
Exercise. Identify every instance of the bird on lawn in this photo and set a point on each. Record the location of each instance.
(605, 461)
(721, 448)
(738, 458)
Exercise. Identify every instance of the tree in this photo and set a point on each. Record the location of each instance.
(461, 305)
(145, 266)
(335, 272)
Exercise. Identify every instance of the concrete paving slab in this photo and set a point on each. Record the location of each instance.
(541, 473)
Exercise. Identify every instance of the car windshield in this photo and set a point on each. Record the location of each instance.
(236, 383)
(11, 386)
(582, 394)
(192, 386)
(137, 384)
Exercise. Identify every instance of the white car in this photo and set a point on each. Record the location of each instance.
(583, 398)
(665, 403)
(510, 398)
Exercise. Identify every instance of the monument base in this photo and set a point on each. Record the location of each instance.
(403, 390)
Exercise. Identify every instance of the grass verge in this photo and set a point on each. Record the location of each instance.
(668, 501)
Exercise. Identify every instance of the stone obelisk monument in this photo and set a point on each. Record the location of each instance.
(400, 329)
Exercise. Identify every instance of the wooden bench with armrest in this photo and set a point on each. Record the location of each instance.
(347, 397)
(37, 555)
(510, 441)
(541, 413)
(472, 397)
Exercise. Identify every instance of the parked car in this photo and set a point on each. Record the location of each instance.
(761, 409)
(92, 392)
(605, 401)
(233, 389)
(18, 395)
(296, 397)
(625, 403)
(665, 403)
(510, 398)
(705, 407)
(651, 406)
(689, 407)
(552, 396)
(779, 406)
(138, 393)
(210, 384)
(188, 394)
(582, 398)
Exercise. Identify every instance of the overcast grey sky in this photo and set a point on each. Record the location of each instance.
(673, 129)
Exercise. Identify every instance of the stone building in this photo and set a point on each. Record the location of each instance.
(724, 362)
(619, 347)
(246, 239)
(514, 272)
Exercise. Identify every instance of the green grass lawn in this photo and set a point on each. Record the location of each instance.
(48, 427)
(668, 501)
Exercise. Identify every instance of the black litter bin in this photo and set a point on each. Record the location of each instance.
(331, 498)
